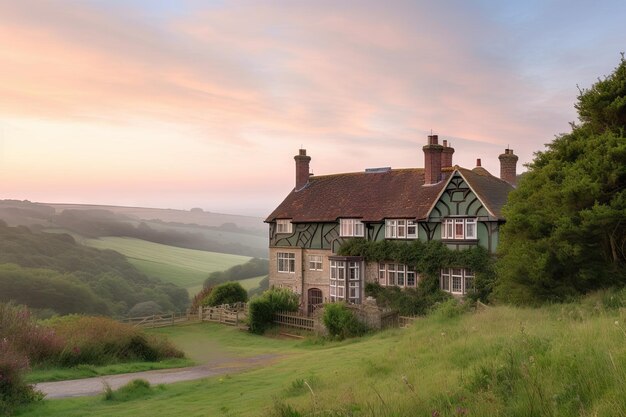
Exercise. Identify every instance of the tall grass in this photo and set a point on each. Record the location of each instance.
(560, 360)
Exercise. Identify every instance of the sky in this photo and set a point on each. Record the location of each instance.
(182, 104)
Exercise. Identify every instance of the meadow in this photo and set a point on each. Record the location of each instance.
(559, 360)
(187, 268)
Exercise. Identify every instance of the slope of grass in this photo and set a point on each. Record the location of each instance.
(555, 361)
(187, 268)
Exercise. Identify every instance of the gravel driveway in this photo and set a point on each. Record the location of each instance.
(94, 386)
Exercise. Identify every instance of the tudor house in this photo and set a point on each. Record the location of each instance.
(461, 207)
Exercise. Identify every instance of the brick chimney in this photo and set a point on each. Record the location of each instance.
(478, 162)
(446, 155)
(432, 160)
(302, 169)
(508, 166)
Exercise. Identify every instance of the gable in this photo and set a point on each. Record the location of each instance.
(458, 199)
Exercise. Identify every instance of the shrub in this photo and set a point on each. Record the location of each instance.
(137, 388)
(18, 329)
(341, 321)
(261, 310)
(13, 390)
(99, 340)
(410, 301)
(199, 298)
(227, 293)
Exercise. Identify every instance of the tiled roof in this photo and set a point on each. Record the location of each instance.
(374, 196)
(491, 190)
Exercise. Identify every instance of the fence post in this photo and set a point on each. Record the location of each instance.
(200, 313)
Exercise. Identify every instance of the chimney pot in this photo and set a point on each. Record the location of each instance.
(508, 166)
(433, 155)
(302, 169)
(478, 164)
(446, 154)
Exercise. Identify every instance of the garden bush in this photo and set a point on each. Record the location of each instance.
(261, 310)
(410, 301)
(341, 322)
(226, 293)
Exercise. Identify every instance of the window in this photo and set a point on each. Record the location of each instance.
(315, 262)
(351, 227)
(283, 226)
(396, 275)
(459, 228)
(345, 274)
(400, 229)
(286, 262)
(457, 280)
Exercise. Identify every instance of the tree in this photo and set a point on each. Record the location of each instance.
(566, 222)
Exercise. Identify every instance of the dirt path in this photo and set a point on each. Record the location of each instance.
(94, 386)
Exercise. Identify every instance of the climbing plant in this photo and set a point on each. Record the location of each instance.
(427, 258)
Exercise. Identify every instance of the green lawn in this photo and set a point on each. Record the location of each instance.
(87, 371)
(567, 360)
(187, 268)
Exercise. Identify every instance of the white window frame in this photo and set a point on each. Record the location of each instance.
(351, 228)
(400, 229)
(284, 226)
(396, 275)
(459, 228)
(315, 262)
(286, 262)
(457, 281)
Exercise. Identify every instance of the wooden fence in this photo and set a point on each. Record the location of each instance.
(295, 320)
(158, 320)
(406, 321)
(232, 315)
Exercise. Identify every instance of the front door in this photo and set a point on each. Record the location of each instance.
(315, 299)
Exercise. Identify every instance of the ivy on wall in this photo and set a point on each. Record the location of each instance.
(427, 259)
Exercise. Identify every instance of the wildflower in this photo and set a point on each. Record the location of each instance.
(616, 323)
(435, 413)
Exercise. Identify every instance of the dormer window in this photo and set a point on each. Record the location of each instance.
(459, 228)
(400, 229)
(283, 226)
(351, 228)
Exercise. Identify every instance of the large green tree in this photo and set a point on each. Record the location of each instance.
(566, 222)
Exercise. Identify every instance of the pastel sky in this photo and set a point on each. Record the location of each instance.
(181, 104)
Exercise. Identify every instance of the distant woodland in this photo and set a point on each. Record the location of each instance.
(52, 273)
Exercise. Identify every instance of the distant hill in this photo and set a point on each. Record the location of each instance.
(194, 216)
(194, 229)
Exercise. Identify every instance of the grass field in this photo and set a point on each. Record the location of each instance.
(187, 268)
(567, 360)
(88, 371)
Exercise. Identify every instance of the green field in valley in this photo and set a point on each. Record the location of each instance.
(247, 284)
(562, 360)
(187, 268)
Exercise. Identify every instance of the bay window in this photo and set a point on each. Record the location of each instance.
(345, 280)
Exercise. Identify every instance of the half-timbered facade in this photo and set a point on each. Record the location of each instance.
(461, 207)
